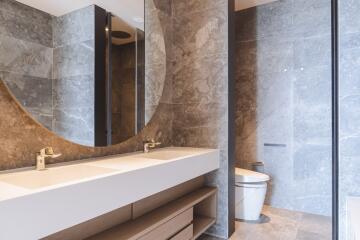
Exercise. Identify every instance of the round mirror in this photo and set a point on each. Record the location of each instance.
(92, 74)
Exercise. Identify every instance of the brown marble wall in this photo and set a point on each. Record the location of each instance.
(200, 87)
(123, 91)
(21, 136)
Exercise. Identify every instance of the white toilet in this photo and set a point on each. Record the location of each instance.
(250, 191)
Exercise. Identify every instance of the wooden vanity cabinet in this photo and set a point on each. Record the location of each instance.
(183, 219)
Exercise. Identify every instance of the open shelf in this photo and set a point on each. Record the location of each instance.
(203, 201)
(201, 224)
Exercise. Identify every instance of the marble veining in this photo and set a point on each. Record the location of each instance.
(200, 88)
(72, 28)
(73, 76)
(15, 23)
(158, 50)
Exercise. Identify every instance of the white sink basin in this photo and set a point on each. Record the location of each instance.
(64, 196)
(164, 154)
(53, 176)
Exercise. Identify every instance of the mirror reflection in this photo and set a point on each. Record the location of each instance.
(79, 70)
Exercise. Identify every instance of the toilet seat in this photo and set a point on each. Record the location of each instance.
(251, 185)
(243, 176)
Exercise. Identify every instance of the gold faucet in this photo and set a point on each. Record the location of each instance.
(44, 153)
(149, 144)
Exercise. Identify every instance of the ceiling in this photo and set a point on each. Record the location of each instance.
(126, 9)
(243, 4)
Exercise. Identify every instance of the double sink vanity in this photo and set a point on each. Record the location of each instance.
(44, 204)
(88, 89)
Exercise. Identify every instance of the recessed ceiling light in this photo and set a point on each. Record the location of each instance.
(138, 19)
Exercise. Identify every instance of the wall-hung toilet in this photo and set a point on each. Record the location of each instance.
(250, 191)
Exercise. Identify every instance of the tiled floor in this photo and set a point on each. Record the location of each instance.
(281, 224)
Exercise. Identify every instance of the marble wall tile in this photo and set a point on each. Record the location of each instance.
(25, 23)
(76, 124)
(311, 18)
(73, 92)
(74, 60)
(200, 34)
(205, 86)
(309, 52)
(283, 84)
(181, 8)
(72, 28)
(26, 58)
(73, 74)
(349, 18)
(349, 99)
(200, 88)
(73, 108)
(31, 92)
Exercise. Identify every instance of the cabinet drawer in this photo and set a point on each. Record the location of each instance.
(171, 227)
(185, 234)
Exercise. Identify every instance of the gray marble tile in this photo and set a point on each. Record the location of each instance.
(349, 41)
(75, 124)
(311, 18)
(24, 57)
(350, 116)
(274, 20)
(315, 51)
(312, 85)
(74, 92)
(74, 60)
(31, 92)
(349, 18)
(349, 70)
(25, 23)
(265, 56)
(72, 28)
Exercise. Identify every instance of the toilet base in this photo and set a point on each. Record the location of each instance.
(249, 200)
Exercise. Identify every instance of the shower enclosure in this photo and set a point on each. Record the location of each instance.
(288, 107)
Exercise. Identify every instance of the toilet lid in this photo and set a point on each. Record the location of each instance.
(247, 176)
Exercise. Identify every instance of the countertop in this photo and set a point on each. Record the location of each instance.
(123, 179)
